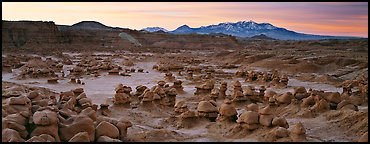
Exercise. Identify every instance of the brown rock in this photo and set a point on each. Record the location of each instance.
(334, 98)
(106, 129)
(45, 118)
(32, 95)
(107, 139)
(206, 106)
(123, 125)
(286, 98)
(281, 132)
(342, 104)
(249, 117)
(269, 93)
(252, 107)
(226, 109)
(299, 90)
(80, 137)
(307, 102)
(83, 122)
(21, 100)
(10, 135)
(266, 110)
(298, 129)
(321, 106)
(266, 120)
(280, 121)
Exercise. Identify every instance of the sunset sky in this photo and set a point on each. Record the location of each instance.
(331, 18)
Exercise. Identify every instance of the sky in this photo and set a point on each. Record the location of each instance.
(324, 18)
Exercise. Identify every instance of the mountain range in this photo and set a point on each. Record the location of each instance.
(250, 29)
(243, 29)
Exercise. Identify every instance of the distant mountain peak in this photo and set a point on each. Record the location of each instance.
(262, 36)
(90, 25)
(155, 29)
(184, 26)
(250, 21)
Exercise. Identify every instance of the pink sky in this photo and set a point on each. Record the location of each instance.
(339, 18)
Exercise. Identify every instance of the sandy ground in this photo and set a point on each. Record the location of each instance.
(155, 123)
(158, 124)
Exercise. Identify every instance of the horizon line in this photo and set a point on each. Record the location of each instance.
(185, 24)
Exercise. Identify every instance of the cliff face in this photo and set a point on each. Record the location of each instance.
(28, 33)
(43, 35)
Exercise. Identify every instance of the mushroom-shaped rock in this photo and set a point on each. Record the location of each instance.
(10, 135)
(188, 114)
(320, 106)
(33, 94)
(248, 91)
(300, 89)
(266, 110)
(161, 83)
(252, 107)
(343, 103)
(85, 102)
(298, 129)
(334, 97)
(272, 101)
(140, 90)
(21, 100)
(148, 96)
(269, 93)
(80, 137)
(83, 122)
(298, 133)
(237, 84)
(350, 107)
(78, 91)
(180, 107)
(280, 132)
(300, 93)
(280, 121)
(172, 92)
(249, 120)
(309, 101)
(122, 126)
(12, 94)
(207, 109)
(45, 118)
(106, 129)
(226, 109)
(121, 98)
(82, 95)
(238, 96)
(206, 106)
(249, 117)
(266, 120)
(119, 88)
(286, 98)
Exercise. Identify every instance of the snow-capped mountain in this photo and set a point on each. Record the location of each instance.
(154, 29)
(250, 29)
